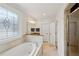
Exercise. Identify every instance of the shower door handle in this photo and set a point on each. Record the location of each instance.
(67, 43)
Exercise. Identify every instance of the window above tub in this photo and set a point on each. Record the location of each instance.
(9, 24)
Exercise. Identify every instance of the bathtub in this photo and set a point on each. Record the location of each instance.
(25, 49)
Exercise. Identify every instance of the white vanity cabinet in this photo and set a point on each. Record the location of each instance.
(34, 38)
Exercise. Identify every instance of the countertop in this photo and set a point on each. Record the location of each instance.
(34, 34)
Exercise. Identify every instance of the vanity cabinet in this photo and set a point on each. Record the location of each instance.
(38, 39)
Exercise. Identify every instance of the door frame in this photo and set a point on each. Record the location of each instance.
(66, 23)
(48, 30)
(55, 33)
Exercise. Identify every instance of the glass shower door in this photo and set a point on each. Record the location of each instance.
(72, 41)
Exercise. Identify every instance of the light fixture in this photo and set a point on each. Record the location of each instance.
(31, 20)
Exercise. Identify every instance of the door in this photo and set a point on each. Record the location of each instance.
(72, 41)
(53, 33)
(45, 31)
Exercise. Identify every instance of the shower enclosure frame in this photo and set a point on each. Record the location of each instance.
(66, 29)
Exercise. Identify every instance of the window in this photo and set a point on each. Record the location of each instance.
(9, 25)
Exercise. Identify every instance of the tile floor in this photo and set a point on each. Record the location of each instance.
(49, 50)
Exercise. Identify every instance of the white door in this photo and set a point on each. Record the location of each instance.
(45, 31)
(52, 33)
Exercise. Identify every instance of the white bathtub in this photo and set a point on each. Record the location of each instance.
(25, 49)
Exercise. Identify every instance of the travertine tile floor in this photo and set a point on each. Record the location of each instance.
(49, 50)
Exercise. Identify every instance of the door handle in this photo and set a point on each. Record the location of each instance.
(67, 43)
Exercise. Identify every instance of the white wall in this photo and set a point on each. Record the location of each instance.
(11, 42)
(60, 31)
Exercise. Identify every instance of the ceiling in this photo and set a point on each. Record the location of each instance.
(40, 11)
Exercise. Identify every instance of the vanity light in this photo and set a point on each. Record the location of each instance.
(33, 22)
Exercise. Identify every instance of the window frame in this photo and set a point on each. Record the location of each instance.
(7, 37)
